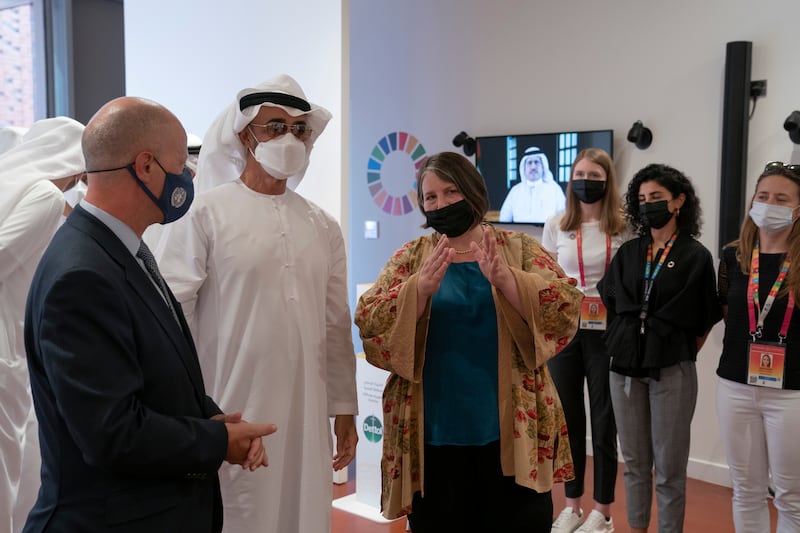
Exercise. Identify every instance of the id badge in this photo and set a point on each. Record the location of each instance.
(593, 314)
(765, 368)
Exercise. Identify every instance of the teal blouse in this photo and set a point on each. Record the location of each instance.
(460, 372)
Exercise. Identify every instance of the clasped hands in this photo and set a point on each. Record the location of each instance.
(244, 441)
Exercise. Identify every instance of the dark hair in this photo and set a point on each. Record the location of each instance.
(676, 182)
(457, 169)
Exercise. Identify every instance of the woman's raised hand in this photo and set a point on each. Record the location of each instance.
(495, 269)
(492, 264)
(432, 271)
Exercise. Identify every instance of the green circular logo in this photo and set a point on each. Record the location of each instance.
(373, 429)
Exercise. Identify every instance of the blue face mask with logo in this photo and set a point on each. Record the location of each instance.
(177, 195)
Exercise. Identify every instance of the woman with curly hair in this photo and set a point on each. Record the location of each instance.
(660, 290)
(469, 315)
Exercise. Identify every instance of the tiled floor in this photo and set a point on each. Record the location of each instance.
(708, 509)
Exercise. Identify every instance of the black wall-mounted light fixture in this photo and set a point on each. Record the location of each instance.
(639, 135)
(792, 125)
(466, 143)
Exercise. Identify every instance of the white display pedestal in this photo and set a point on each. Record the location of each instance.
(366, 501)
(351, 504)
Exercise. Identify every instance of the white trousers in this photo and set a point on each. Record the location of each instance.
(760, 428)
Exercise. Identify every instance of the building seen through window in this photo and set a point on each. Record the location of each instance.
(17, 73)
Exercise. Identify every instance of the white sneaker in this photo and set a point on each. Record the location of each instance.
(596, 523)
(567, 521)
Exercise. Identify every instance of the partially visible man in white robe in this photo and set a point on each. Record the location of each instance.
(33, 177)
(261, 274)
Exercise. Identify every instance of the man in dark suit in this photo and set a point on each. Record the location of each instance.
(130, 442)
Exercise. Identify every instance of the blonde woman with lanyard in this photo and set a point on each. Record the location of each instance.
(662, 302)
(583, 239)
(758, 403)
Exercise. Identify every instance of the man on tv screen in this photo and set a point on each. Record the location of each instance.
(537, 195)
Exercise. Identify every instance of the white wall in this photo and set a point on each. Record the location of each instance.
(514, 66)
(193, 56)
(506, 66)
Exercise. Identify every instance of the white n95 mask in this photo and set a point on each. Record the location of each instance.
(282, 156)
(770, 217)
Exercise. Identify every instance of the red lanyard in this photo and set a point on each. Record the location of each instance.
(580, 256)
(752, 299)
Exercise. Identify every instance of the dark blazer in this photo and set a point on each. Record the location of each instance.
(124, 429)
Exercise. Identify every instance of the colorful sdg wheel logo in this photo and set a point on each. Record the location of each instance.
(393, 163)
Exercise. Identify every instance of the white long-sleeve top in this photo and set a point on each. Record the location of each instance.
(262, 281)
(24, 234)
(565, 245)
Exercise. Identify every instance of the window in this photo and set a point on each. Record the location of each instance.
(511, 150)
(567, 150)
(20, 79)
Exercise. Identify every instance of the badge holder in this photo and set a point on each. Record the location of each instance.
(593, 314)
(766, 364)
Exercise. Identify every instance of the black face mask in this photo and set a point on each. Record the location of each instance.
(655, 214)
(589, 191)
(452, 220)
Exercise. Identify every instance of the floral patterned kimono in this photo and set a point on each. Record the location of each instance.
(533, 434)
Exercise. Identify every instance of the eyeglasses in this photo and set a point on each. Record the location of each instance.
(277, 129)
(780, 165)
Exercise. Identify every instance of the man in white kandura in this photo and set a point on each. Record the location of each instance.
(35, 172)
(261, 274)
(537, 196)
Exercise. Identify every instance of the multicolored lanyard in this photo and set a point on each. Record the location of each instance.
(650, 276)
(580, 256)
(756, 328)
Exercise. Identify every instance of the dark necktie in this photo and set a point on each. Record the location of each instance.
(150, 264)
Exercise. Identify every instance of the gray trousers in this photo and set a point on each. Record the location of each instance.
(653, 422)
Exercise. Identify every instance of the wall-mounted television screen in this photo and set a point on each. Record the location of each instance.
(527, 175)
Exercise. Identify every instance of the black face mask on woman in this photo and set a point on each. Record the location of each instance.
(589, 191)
(452, 220)
(655, 214)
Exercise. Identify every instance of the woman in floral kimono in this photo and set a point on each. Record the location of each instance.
(470, 315)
